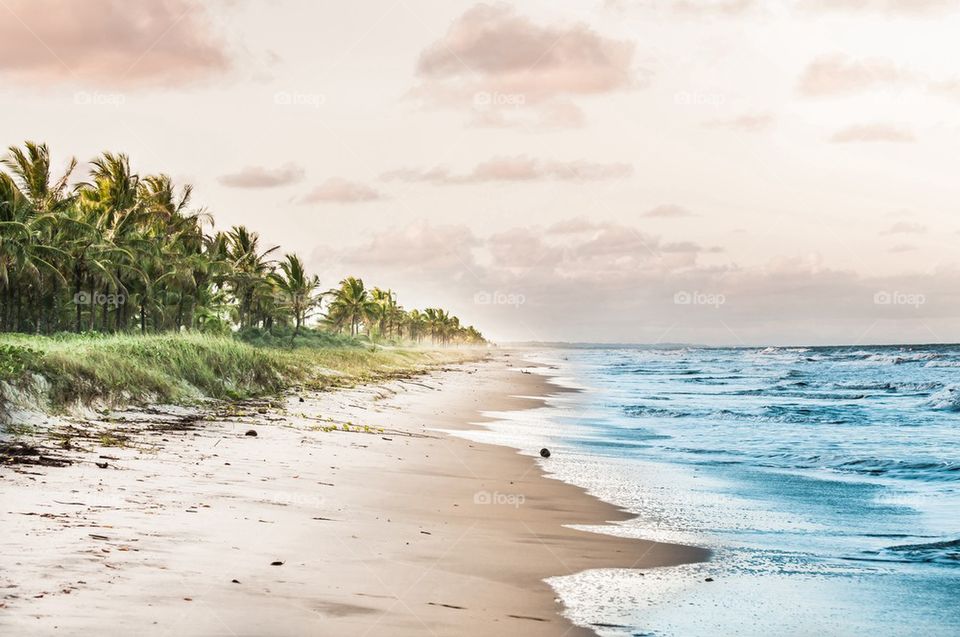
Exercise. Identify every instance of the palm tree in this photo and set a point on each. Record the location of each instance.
(138, 238)
(297, 290)
(352, 305)
(389, 313)
(29, 202)
(249, 274)
(415, 322)
(112, 205)
(30, 171)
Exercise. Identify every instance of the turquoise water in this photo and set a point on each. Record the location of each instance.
(826, 480)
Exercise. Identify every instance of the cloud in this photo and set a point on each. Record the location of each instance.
(499, 64)
(946, 88)
(902, 247)
(567, 270)
(436, 251)
(118, 43)
(336, 190)
(841, 75)
(872, 133)
(906, 227)
(749, 123)
(885, 6)
(588, 252)
(553, 115)
(260, 177)
(712, 7)
(694, 8)
(516, 168)
(667, 211)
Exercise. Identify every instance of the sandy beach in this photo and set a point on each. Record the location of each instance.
(395, 527)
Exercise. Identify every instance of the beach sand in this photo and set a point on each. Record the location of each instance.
(408, 531)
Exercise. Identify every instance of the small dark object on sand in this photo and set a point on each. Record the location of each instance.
(102, 465)
(302, 399)
(709, 579)
(277, 563)
(544, 453)
(234, 581)
(251, 432)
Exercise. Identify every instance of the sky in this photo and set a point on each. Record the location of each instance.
(725, 172)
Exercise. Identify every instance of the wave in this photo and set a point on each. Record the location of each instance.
(899, 359)
(795, 390)
(889, 386)
(789, 414)
(796, 414)
(943, 364)
(712, 380)
(656, 412)
(928, 470)
(659, 371)
(947, 399)
(945, 552)
(918, 470)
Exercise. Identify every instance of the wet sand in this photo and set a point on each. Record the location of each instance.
(391, 528)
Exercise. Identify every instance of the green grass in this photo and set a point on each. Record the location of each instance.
(184, 368)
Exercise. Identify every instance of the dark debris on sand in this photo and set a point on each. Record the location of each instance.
(20, 453)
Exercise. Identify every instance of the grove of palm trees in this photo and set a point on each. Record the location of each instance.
(126, 253)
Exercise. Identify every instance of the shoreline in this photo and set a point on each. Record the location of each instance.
(402, 531)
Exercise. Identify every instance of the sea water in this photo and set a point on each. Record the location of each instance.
(825, 480)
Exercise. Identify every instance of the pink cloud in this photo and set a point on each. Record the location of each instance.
(523, 248)
(946, 88)
(567, 270)
(580, 250)
(516, 168)
(260, 177)
(890, 6)
(688, 7)
(570, 226)
(906, 227)
(748, 123)
(902, 247)
(336, 190)
(872, 133)
(716, 7)
(667, 211)
(552, 115)
(421, 247)
(109, 42)
(841, 75)
(499, 63)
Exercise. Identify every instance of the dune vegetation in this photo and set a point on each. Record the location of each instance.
(184, 368)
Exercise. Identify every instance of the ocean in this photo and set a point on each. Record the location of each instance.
(826, 480)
